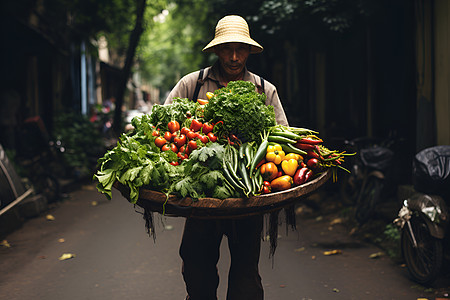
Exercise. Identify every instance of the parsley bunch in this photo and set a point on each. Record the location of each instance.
(242, 110)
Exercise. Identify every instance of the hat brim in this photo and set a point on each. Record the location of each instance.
(255, 47)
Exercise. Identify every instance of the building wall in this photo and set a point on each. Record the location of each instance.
(442, 70)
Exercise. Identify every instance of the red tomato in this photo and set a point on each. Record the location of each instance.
(173, 126)
(188, 151)
(312, 163)
(168, 136)
(192, 145)
(155, 133)
(196, 125)
(179, 140)
(182, 155)
(203, 138)
(212, 137)
(206, 128)
(173, 148)
(182, 148)
(184, 130)
(174, 163)
(165, 147)
(160, 141)
(191, 135)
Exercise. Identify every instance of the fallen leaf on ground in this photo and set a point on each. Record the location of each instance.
(336, 221)
(61, 240)
(88, 187)
(282, 285)
(67, 256)
(5, 244)
(376, 255)
(50, 217)
(336, 290)
(313, 257)
(168, 227)
(94, 203)
(332, 252)
(300, 249)
(319, 218)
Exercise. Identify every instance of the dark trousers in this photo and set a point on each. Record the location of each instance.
(200, 253)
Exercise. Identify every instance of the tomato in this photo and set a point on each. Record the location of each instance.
(160, 141)
(192, 145)
(207, 128)
(266, 187)
(180, 140)
(184, 130)
(269, 171)
(168, 136)
(155, 133)
(212, 137)
(312, 163)
(188, 151)
(182, 148)
(203, 138)
(182, 155)
(165, 147)
(174, 163)
(196, 125)
(173, 148)
(191, 135)
(173, 126)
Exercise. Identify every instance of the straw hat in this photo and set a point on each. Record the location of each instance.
(233, 29)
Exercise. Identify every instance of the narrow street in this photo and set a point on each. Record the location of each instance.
(114, 258)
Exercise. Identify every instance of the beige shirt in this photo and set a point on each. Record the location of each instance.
(186, 86)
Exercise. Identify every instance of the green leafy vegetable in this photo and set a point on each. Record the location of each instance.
(161, 115)
(242, 110)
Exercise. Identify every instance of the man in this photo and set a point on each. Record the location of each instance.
(201, 238)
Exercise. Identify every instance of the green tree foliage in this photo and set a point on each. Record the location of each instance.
(171, 46)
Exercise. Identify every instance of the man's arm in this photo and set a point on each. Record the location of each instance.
(274, 100)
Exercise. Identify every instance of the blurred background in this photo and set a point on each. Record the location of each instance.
(75, 72)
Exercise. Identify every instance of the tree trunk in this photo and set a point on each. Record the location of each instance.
(134, 41)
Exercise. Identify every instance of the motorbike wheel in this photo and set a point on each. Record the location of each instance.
(368, 199)
(424, 261)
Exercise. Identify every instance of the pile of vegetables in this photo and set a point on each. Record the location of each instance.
(228, 146)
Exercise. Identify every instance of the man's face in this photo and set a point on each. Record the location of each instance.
(232, 57)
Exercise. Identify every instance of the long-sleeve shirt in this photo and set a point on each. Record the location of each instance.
(186, 86)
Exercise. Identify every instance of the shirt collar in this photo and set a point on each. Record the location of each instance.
(214, 73)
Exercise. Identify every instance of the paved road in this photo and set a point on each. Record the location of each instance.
(116, 259)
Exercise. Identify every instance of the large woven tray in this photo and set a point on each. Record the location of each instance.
(226, 208)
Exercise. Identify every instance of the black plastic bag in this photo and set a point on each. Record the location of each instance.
(431, 171)
(378, 158)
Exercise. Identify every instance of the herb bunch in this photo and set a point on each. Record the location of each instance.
(242, 110)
